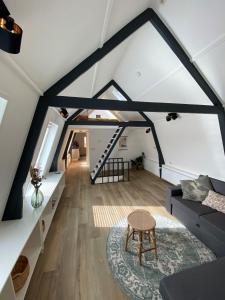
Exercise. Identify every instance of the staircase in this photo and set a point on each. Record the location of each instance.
(98, 168)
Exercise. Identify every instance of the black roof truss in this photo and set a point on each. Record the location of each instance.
(14, 206)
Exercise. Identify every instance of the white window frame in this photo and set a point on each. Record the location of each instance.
(3, 104)
(46, 147)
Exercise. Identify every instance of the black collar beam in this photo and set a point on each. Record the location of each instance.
(109, 123)
(93, 103)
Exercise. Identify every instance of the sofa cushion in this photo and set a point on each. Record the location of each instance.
(215, 201)
(193, 207)
(204, 282)
(196, 190)
(215, 224)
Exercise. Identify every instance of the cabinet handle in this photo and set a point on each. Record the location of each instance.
(43, 225)
(53, 203)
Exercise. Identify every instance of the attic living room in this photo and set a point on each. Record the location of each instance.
(112, 130)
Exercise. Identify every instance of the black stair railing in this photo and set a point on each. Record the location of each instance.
(115, 170)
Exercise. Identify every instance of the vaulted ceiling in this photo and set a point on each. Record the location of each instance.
(58, 35)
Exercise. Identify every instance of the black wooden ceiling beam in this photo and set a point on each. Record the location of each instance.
(104, 89)
(99, 93)
(93, 103)
(110, 123)
(221, 119)
(54, 165)
(74, 115)
(68, 144)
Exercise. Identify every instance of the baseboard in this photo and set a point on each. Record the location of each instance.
(174, 175)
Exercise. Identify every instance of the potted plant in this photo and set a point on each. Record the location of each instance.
(37, 196)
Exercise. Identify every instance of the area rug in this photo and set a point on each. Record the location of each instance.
(178, 249)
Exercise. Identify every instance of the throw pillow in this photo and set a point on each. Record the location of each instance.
(204, 180)
(196, 190)
(215, 201)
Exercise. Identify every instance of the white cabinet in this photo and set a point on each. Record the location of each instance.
(27, 236)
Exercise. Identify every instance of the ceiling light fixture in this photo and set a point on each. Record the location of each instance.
(10, 32)
(64, 113)
(171, 116)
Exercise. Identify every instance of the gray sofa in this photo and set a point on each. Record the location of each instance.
(203, 282)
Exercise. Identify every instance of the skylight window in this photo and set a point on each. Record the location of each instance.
(3, 104)
(46, 146)
(101, 114)
(118, 95)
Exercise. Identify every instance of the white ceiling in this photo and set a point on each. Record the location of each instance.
(60, 34)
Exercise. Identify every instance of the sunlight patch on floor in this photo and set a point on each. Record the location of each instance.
(83, 164)
(107, 216)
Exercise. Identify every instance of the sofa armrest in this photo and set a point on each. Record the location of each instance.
(175, 191)
(204, 282)
(172, 191)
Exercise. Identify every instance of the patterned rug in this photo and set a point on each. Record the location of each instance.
(177, 248)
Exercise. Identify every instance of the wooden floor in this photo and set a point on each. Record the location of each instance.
(73, 265)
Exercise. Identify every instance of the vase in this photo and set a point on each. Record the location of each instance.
(37, 198)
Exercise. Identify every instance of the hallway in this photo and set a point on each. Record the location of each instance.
(73, 265)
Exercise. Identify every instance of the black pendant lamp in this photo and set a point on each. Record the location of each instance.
(10, 32)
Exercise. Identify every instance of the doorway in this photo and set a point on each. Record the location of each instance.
(80, 146)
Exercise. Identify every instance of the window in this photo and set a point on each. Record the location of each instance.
(3, 104)
(118, 95)
(101, 114)
(46, 146)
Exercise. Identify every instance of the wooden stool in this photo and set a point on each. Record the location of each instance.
(141, 222)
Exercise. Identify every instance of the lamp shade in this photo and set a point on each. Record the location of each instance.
(10, 38)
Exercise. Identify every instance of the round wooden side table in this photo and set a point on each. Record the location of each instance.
(141, 222)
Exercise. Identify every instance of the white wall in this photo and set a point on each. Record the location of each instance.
(99, 138)
(15, 124)
(191, 145)
(147, 145)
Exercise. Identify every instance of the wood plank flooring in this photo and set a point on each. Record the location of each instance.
(73, 265)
